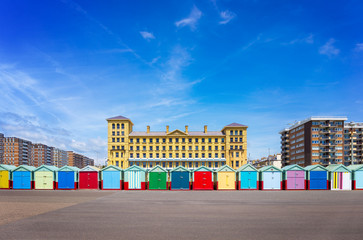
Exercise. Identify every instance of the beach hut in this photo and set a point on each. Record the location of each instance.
(340, 177)
(158, 178)
(88, 178)
(294, 177)
(44, 177)
(134, 178)
(203, 178)
(247, 177)
(225, 178)
(67, 178)
(111, 178)
(22, 177)
(357, 172)
(5, 176)
(180, 179)
(316, 177)
(270, 178)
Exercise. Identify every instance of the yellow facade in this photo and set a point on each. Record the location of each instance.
(4, 179)
(170, 149)
(226, 180)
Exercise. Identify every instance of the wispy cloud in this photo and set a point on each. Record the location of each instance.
(147, 35)
(308, 39)
(191, 20)
(329, 49)
(359, 47)
(226, 16)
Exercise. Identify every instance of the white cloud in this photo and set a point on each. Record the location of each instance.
(359, 47)
(147, 35)
(191, 20)
(308, 39)
(329, 49)
(226, 16)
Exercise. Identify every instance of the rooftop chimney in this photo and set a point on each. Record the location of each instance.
(205, 128)
(186, 128)
(167, 129)
(148, 129)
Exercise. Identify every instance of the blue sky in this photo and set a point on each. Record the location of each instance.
(66, 66)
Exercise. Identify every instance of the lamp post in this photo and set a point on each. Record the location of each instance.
(351, 124)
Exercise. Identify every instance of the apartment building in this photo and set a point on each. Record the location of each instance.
(171, 149)
(353, 140)
(41, 155)
(17, 151)
(274, 160)
(78, 160)
(316, 140)
(59, 157)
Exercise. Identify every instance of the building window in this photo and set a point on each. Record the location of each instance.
(137, 155)
(176, 147)
(170, 140)
(216, 147)
(236, 132)
(144, 140)
(151, 140)
(131, 140)
(209, 140)
(170, 155)
(117, 154)
(151, 164)
(164, 164)
(151, 148)
(190, 148)
(237, 154)
(196, 140)
(209, 155)
(236, 139)
(231, 132)
(202, 140)
(240, 139)
(118, 133)
(222, 155)
(131, 155)
(144, 148)
(164, 155)
(113, 147)
(113, 126)
(117, 163)
(215, 164)
(176, 164)
(190, 155)
(183, 140)
(164, 140)
(157, 140)
(170, 148)
(183, 155)
(137, 140)
(183, 164)
(122, 139)
(123, 133)
(164, 148)
(203, 155)
(157, 148)
(237, 163)
(222, 139)
(210, 164)
(137, 148)
(222, 147)
(196, 164)
(216, 155)
(190, 140)
(183, 147)
(176, 140)
(113, 139)
(144, 155)
(231, 139)
(190, 164)
(196, 147)
(177, 155)
(157, 155)
(113, 133)
(210, 148)
(196, 155)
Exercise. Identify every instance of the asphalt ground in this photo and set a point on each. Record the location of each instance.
(182, 215)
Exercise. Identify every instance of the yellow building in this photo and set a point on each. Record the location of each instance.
(170, 149)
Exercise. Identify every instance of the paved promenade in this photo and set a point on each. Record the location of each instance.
(181, 215)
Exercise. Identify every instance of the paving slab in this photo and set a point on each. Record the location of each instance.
(200, 215)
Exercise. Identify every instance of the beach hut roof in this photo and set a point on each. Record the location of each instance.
(180, 169)
(315, 167)
(246, 167)
(46, 168)
(338, 168)
(225, 168)
(270, 168)
(203, 168)
(68, 168)
(355, 167)
(135, 168)
(7, 167)
(111, 167)
(89, 169)
(158, 169)
(24, 167)
(293, 167)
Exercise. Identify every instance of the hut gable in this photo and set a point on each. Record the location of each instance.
(46, 168)
(135, 168)
(246, 167)
(270, 168)
(68, 169)
(158, 169)
(24, 168)
(7, 167)
(89, 169)
(316, 167)
(338, 168)
(111, 168)
(293, 167)
(203, 169)
(225, 168)
(180, 169)
(356, 167)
